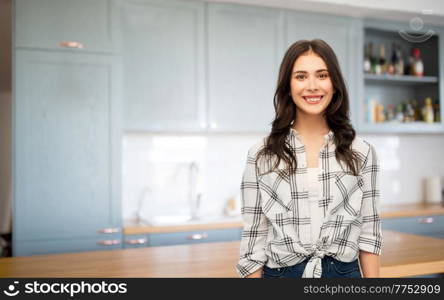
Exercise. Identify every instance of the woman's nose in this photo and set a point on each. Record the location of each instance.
(312, 84)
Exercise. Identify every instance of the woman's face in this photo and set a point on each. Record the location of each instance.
(311, 87)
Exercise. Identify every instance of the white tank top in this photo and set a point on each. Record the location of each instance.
(316, 212)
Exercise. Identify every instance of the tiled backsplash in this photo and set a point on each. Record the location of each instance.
(156, 170)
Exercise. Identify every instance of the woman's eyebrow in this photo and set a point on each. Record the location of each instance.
(302, 71)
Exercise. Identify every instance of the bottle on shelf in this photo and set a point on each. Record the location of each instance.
(437, 116)
(427, 111)
(372, 110)
(390, 116)
(392, 63)
(381, 64)
(399, 113)
(367, 61)
(380, 115)
(408, 70)
(417, 116)
(409, 115)
(417, 68)
(399, 65)
(373, 60)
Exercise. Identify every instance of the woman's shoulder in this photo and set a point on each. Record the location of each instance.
(361, 145)
(258, 145)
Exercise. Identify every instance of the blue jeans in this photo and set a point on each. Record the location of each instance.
(331, 268)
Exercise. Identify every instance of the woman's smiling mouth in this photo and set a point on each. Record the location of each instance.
(313, 99)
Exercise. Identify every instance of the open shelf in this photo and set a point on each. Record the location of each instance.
(397, 127)
(399, 79)
(396, 90)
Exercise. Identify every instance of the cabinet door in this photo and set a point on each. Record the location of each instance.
(245, 49)
(341, 33)
(48, 23)
(162, 44)
(66, 151)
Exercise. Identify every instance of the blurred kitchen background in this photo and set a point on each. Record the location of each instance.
(119, 116)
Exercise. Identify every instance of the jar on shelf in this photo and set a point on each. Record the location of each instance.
(427, 112)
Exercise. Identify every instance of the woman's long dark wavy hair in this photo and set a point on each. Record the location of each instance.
(336, 114)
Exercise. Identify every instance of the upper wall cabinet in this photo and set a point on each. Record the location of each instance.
(244, 52)
(64, 24)
(341, 33)
(162, 44)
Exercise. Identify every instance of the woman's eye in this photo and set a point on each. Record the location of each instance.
(323, 75)
(300, 77)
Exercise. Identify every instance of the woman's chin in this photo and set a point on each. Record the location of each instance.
(311, 111)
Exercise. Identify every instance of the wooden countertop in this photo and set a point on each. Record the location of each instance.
(387, 212)
(411, 210)
(402, 255)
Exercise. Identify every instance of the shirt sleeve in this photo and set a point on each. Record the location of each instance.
(255, 230)
(370, 239)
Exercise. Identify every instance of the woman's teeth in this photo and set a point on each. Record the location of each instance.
(312, 99)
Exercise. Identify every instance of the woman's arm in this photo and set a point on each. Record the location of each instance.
(370, 264)
(255, 231)
(256, 274)
(370, 239)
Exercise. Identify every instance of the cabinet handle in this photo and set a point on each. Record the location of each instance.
(109, 242)
(70, 44)
(197, 236)
(109, 230)
(425, 220)
(136, 242)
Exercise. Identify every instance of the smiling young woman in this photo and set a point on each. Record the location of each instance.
(310, 190)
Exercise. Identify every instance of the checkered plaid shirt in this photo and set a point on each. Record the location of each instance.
(276, 212)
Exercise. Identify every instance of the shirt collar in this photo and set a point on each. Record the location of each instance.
(327, 137)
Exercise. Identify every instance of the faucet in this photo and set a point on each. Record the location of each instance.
(193, 197)
(140, 203)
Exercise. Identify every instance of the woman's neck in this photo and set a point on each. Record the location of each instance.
(311, 125)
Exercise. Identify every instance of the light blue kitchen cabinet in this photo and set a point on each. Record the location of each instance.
(66, 145)
(65, 25)
(432, 226)
(195, 237)
(341, 33)
(162, 44)
(245, 47)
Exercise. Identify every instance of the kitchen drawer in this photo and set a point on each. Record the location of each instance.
(135, 241)
(71, 245)
(432, 226)
(195, 237)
